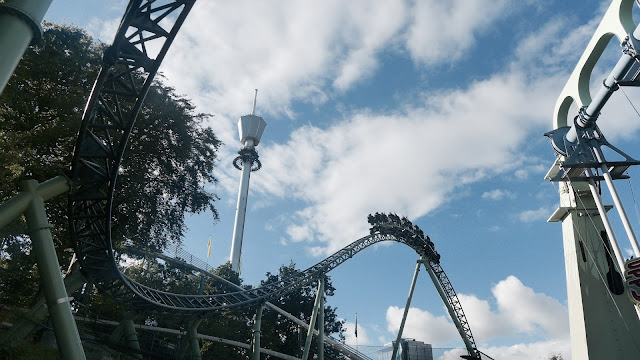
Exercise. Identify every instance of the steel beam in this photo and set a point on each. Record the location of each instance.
(255, 349)
(19, 203)
(64, 325)
(406, 309)
(319, 302)
(452, 313)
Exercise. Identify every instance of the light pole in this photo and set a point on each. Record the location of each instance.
(250, 128)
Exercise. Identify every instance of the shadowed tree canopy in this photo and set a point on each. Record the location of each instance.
(282, 335)
(277, 332)
(169, 161)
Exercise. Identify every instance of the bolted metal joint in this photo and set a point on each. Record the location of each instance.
(247, 155)
(584, 120)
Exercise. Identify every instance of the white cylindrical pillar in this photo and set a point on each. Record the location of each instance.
(19, 25)
(241, 210)
(250, 128)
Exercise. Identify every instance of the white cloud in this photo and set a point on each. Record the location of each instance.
(103, 30)
(422, 325)
(530, 312)
(542, 213)
(518, 310)
(534, 350)
(375, 25)
(299, 232)
(295, 49)
(446, 29)
(526, 170)
(498, 194)
(304, 51)
(384, 162)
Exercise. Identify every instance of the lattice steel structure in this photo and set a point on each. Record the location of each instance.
(129, 67)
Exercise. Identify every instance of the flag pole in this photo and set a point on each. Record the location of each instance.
(208, 251)
(356, 331)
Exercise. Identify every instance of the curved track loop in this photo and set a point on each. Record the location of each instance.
(128, 70)
(129, 66)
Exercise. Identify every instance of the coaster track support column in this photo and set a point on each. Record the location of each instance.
(64, 325)
(406, 309)
(319, 302)
(255, 353)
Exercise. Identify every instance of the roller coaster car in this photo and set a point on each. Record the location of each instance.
(370, 219)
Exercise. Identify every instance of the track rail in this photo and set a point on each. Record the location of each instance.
(129, 66)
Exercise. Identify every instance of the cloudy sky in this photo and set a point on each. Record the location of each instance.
(430, 109)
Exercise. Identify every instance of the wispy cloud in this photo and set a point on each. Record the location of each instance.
(522, 351)
(498, 194)
(307, 52)
(438, 26)
(336, 174)
(539, 214)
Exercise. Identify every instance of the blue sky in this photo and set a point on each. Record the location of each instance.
(430, 109)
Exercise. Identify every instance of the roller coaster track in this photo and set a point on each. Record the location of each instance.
(129, 66)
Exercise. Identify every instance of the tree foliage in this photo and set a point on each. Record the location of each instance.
(277, 332)
(282, 335)
(170, 158)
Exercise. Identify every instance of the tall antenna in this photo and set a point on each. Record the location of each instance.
(255, 99)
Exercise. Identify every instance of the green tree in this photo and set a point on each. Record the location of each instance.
(277, 332)
(171, 154)
(282, 335)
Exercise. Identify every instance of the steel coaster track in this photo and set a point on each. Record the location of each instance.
(453, 300)
(434, 264)
(129, 67)
(145, 296)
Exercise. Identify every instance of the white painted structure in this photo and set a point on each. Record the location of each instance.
(250, 128)
(604, 323)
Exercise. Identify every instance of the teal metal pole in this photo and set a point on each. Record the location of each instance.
(321, 324)
(406, 310)
(130, 335)
(314, 315)
(19, 26)
(201, 289)
(64, 325)
(255, 354)
(18, 204)
(30, 320)
(193, 338)
(190, 341)
(127, 330)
